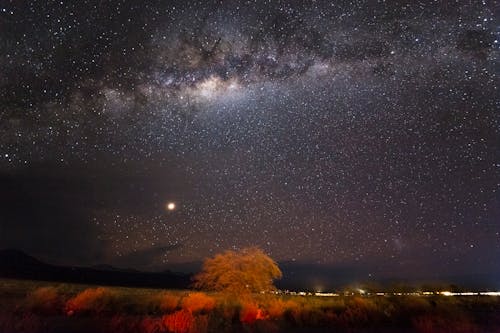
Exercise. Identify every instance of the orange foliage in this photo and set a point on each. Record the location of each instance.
(250, 312)
(277, 307)
(198, 302)
(179, 322)
(168, 303)
(90, 300)
(239, 272)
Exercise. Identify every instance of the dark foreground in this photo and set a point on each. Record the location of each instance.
(33, 307)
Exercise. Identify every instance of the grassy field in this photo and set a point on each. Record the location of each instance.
(29, 306)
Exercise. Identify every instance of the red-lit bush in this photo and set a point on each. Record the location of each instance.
(198, 302)
(168, 302)
(179, 322)
(95, 300)
(250, 312)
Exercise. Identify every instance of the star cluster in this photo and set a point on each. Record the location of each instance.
(321, 131)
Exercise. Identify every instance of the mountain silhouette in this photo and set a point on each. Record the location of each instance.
(16, 264)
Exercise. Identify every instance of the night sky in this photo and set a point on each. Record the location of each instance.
(362, 133)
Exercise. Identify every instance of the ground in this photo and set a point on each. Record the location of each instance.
(30, 306)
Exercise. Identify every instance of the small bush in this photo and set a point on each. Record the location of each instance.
(168, 302)
(250, 312)
(198, 302)
(179, 322)
(44, 300)
(92, 300)
(276, 307)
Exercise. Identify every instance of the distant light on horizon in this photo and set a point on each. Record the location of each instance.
(364, 293)
(171, 206)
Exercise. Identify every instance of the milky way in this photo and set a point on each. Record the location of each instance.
(322, 132)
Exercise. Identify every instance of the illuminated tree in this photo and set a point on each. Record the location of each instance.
(238, 272)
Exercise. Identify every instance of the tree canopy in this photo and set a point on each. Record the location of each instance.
(239, 272)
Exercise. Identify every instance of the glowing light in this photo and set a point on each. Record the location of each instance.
(233, 85)
(490, 293)
(171, 206)
(214, 88)
(209, 87)
(320, 294)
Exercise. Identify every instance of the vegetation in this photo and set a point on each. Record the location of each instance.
(27, 306)
(239, 273)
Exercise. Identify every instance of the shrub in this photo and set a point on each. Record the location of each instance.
(44, 300)
(276, 307)
(250, 312)
(294, 314)
(179, 322)
(198, 302)
(92, 300)
(168, 302)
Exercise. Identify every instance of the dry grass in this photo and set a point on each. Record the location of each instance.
(45, 300)
(42, 307)
(198, 302)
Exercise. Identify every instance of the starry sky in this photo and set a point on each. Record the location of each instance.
(325, 132)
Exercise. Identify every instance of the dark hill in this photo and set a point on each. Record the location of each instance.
(11, 258)
(18, 265)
